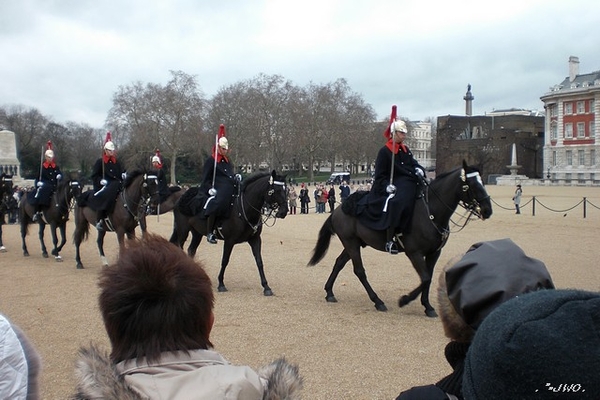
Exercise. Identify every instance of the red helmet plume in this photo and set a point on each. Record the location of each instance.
(388, 133)
(49, 145)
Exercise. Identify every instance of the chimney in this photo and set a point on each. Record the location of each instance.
(573, 68)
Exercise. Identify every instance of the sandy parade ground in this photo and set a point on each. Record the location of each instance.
(346, 350)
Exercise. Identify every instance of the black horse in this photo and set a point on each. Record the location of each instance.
(6, 185)
(56, 215)
(140, 190)
(423, 245)
(260, 194)
(164, 207)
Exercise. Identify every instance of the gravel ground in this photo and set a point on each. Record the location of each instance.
(346, 350)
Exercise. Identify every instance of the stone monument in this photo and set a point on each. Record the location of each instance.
(514, 178)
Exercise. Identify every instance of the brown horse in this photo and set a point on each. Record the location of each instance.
(6, 185)
(140, 190)
(167, 205)
(56, 215)
(423, 244)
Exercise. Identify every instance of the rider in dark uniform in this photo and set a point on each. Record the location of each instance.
(218, 181)
(390, 203)
(107, 176)
(46, 184)
(163, 186)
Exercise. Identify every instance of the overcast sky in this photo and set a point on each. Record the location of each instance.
(68, 57)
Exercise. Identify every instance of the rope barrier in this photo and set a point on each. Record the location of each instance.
(535, 201)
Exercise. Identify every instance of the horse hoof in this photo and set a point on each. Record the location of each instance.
(2, 249)
(268, 292)
(331, 299)
(79, 266)
(25, 254)
(45, 255)
(54, 253)
(222, 289)
(404, 300)
(431, 313)
(58, 259)
(380, 307)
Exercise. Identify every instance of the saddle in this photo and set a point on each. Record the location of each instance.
(192, 201)
(350, 205)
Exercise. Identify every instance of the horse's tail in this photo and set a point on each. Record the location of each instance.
(82, 227)
(323, 242)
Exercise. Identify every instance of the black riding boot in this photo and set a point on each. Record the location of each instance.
(37, 216)
(210, 230)
(391, 246)
(99, 224)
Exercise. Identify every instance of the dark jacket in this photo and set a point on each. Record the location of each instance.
(42, 195)
(104, 197)
(163, 186)
(224, 184)
(400, 207)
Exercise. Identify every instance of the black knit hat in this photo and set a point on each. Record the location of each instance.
(489, 274)
(542, 345)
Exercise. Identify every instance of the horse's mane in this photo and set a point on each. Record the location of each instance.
(131, 176)
(253, 178)
(444, 174)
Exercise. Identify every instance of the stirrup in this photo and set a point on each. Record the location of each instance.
(391, 247)
(99, 225)
(36, 217)
(211, 238)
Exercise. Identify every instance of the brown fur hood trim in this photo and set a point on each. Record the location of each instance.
(97, 378)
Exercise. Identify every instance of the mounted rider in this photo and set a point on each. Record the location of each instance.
(46, 183)
(218, 182)
(107, 175)
(390, 203)
(163, 186)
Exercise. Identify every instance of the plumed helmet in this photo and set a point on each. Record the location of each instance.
(109, 146)
(156, 159)
(223, 143)
(399, 126)
(49, 154)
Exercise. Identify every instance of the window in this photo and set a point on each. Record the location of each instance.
(554, 130)
(581, 130)
(592, 105)
(553, 110)
(581, 157)
(569, 156)
(568, 108)
(554, 158)
(580, 178)
(592, 126)
(568, 177)
(580, 107)
(592, 157)
(569, 131)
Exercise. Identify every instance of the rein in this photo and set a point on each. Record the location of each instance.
(144, 198)
(270, 207)
(472, 207)
(69, 204)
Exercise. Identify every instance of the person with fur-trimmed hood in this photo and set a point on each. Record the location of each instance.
(107, 175)
(157, 306)
(46, 183)
(471, 286)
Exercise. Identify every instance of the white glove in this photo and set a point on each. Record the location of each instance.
(419, 172)
(124, 175)
(103, 182)
(58, 177)
(390, 189)
(40, 184)
(212, 191)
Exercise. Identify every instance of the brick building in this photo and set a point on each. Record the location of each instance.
(573, 110)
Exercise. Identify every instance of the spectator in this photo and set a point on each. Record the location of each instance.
(292, 200)
(470, 288)
(344, 191)
(157, 306)
(20, 364)
(304, 199)
(543, 345)
(331, 198)
(517, 199)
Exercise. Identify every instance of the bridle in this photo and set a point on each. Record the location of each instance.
(269, 208)
(145, 197)
(472, 205)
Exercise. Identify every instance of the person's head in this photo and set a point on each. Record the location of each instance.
(49, 155)
(519, 186)
(539, 345)
(155, 161)
(109, 148)
(471, 286)
(155, 298)
(223, 145)
(399, 131)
